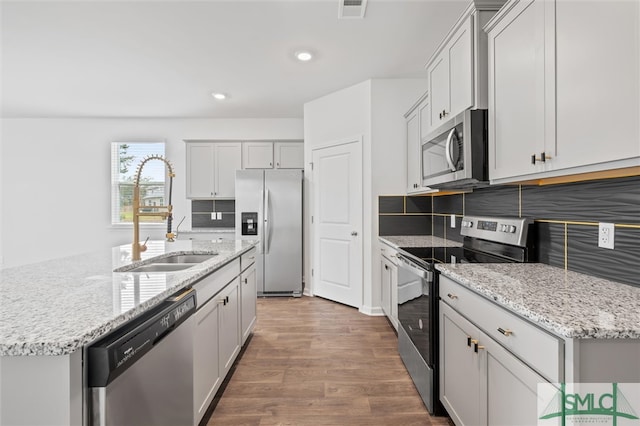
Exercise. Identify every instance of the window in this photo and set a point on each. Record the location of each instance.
(125, 158)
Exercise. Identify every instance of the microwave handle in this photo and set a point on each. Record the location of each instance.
(447, 151)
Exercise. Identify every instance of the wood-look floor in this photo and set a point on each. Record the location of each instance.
(315, 362)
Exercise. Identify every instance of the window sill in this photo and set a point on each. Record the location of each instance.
(142, 225)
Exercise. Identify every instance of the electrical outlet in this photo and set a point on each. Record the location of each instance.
(213, 215)
(606, 235)
(219, 215)
(453, 220)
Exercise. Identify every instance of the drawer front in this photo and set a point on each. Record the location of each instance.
(248, 259)
(210, 285)
(539, 349)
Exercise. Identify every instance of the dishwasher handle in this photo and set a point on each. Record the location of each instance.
(414, 269)
(112, 355)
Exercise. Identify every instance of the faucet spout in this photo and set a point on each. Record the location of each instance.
(136, 247)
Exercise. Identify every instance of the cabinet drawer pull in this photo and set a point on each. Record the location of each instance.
(543, 158)
(451, 296)
(506, 332)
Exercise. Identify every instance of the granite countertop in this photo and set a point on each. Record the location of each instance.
(398, 241)
(210, 230)
(567, 303)
(56, 307)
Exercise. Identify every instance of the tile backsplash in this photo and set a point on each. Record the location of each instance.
(566, 217)
(201, 213)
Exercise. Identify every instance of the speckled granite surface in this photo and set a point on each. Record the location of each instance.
(210, 231)
(418, 241)
(566, 303)
(56, 307)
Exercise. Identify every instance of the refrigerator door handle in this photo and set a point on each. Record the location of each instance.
(266, 235)
(260, 248)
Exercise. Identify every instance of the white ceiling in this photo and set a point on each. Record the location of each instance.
(164, 58)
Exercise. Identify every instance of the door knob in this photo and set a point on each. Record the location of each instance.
(354, 233)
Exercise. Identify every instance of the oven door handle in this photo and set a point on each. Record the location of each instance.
(409, 266)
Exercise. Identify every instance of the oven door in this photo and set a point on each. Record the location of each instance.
(417, 331)
(415, 300)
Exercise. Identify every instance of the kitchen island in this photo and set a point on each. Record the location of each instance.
(51, 310)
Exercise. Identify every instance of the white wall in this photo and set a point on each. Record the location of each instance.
(391, 99)
(374, 110)
(337, 116)
(55, 177)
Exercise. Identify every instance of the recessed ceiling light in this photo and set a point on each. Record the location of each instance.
(304, 56)
(219, 96)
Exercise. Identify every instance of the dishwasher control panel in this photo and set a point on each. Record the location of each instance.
(111, 355)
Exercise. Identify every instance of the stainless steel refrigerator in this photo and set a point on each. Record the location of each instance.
(269, 209)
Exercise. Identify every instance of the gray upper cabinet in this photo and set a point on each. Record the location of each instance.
(288, 155)
(257, 155)
(563, 99)
(211, 169)
(417, 123)
(457, 72)
(273, 155)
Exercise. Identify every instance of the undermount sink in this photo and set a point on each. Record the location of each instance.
(186, 258)
(176, 262)
(161, 267)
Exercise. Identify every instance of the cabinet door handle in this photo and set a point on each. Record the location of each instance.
(474, 342)
(270, 164)
(451, 296)
(245, 281)
(277, 164)
(469, 341)
(476, 346)
(504, 331)
(386, 267)
(543, 158)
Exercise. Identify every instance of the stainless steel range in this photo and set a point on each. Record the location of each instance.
(486, 240)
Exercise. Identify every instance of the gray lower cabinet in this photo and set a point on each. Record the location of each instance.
(206, 364)
(248, 294)
(229, 336)
(481, 383)
(219, 328)
(491, 360)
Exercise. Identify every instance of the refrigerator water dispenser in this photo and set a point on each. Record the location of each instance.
(249, 223)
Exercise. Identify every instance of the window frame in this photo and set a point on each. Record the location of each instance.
(116, 182)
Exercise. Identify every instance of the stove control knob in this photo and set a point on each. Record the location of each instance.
(512, 229)
(467, 223)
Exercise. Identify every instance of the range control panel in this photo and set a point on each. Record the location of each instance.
(507, 230)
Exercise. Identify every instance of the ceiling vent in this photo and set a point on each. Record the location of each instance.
(348, 9)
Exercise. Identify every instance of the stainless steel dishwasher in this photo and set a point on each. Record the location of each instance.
(142, 372)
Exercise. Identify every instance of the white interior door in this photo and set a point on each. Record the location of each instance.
(337, 223)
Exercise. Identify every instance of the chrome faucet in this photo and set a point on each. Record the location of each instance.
(136, 247)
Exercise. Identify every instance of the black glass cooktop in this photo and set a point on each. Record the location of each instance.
(432, 255)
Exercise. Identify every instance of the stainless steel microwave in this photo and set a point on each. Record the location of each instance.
(454, 155)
